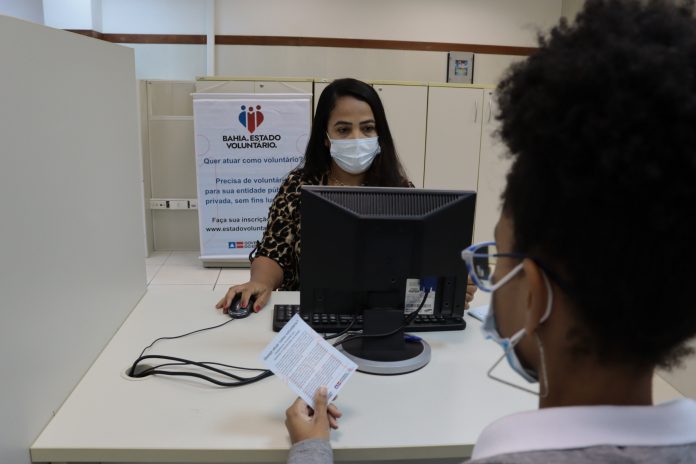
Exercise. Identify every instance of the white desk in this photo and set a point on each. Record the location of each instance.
(436, 412)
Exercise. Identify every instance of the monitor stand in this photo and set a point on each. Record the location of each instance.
(390, 355)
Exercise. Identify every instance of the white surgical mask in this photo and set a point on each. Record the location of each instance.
(355, 156)
(490, 330)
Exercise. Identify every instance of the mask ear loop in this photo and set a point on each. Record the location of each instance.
(501, 380)
(543, 377)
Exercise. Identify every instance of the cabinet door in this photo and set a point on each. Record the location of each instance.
(454, 138)
(493, 168)
(225, 86)
(406, 108)
(282, 87)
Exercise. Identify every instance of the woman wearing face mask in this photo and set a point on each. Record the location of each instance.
(592, 271)
(350, 144)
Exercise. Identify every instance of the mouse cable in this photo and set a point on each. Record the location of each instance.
(409, 318)
(146, 370)
(184, 335)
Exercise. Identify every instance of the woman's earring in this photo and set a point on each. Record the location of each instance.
(543, 376)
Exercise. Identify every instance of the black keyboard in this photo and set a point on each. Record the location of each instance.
(333, 323)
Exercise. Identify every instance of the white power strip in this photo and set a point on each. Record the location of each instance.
(173, 203)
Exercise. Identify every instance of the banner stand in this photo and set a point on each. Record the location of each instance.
(245, 146)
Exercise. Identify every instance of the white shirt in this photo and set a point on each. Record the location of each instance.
(666, 424)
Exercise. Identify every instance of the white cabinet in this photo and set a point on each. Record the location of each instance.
(213, 86)
(283, 87)
(493, 168)
(453, 137)
(406, 108)
(252, 86)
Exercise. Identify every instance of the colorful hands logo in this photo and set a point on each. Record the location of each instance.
(251, 119)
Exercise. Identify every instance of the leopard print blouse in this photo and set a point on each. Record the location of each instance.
(281, 240)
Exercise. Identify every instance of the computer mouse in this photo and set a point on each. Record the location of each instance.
(236, 311)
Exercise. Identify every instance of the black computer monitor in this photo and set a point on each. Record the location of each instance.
(362, 248)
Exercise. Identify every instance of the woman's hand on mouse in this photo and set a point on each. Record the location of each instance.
(260, 290)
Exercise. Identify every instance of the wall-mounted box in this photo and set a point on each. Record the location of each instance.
(460, 67)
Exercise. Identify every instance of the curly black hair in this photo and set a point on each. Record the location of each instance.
(601, 124)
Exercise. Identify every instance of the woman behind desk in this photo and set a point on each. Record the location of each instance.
(593, 270)
(350, 144)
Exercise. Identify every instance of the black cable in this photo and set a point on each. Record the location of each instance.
(186, 362)
(208, 365)
(408, 321)
(240, 381)
(184, 335)
(344, 331)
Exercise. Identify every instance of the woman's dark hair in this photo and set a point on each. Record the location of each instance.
(601, 125)
(386, 169)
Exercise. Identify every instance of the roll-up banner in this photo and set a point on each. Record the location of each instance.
(245, 146)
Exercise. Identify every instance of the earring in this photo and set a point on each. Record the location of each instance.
(543, 376)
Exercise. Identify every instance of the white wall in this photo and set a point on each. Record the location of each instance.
(169, 61)
(492, 22)
(153, 16)
(71, 254)
(571, 8)
(68, 14)
(28, 10)
(330, 62)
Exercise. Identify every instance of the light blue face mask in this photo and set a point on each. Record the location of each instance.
(490, 331)
(355, 156)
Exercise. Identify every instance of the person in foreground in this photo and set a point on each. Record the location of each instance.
(593, 264)
(350, 145)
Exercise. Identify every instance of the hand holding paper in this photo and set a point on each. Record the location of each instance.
(305, 423)
(305, 361)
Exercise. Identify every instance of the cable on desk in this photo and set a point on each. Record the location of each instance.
(184, 335)
(157, 370)
(139, 370)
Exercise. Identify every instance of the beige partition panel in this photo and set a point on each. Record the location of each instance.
(493, 167)
(453, 137)
(72, 248)
(406, 107)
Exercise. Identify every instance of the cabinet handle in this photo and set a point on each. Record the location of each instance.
(490, 109)
(475, 110)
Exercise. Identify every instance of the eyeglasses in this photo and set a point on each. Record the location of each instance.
(481, 260)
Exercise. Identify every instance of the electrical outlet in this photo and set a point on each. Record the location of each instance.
(156, 203)
(178, 204)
